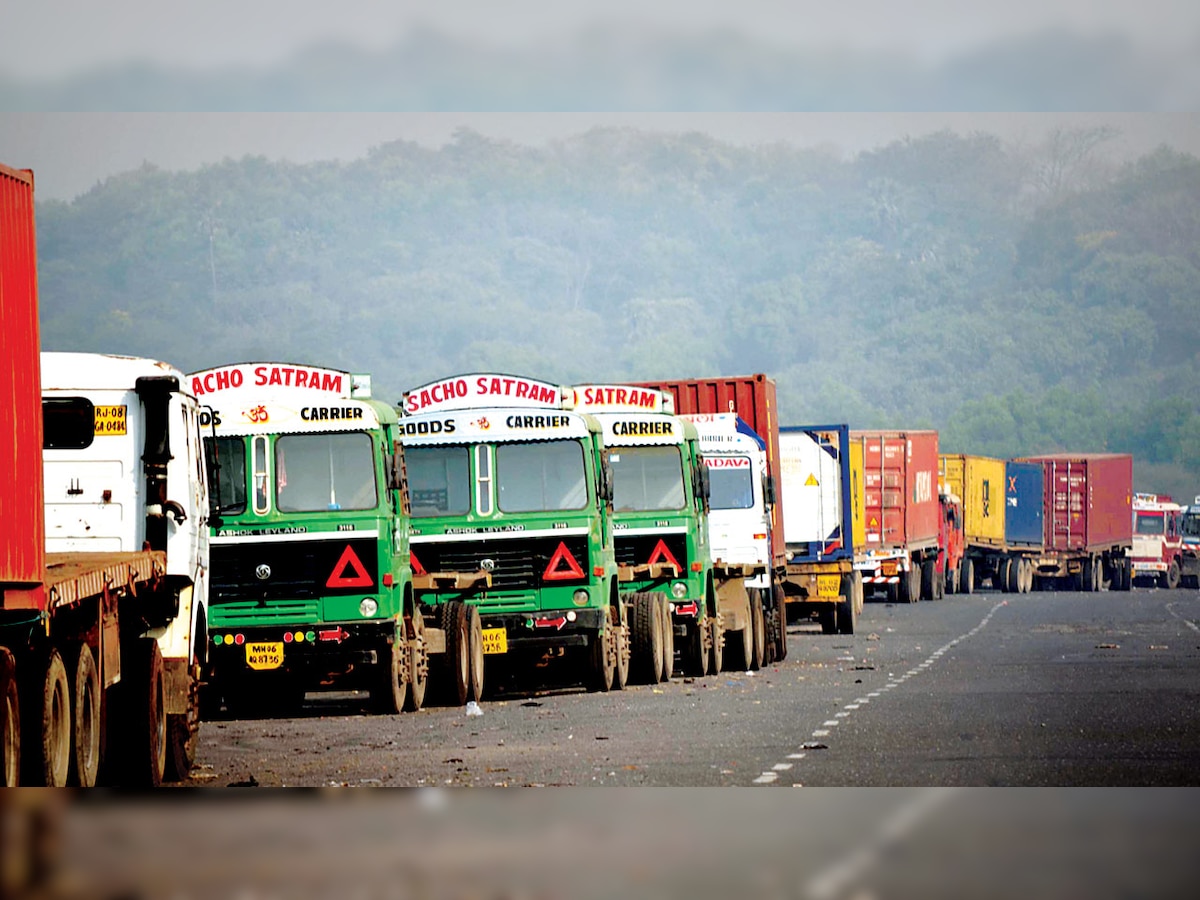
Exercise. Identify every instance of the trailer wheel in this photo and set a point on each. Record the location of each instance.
(456, 661)
(85, 725)
(668, 638)
(1087, 576)
(966, 578)
(716, 649)
(389, 689)
(47, 709)
(760, 630)
(928, 576)
(910, 586)
(939, 585)
(10, 721)
(1014, 571)
(845, 614)
(1170, 579)
(144, 715)
(827, 618)
(646, 644)
(475, 646)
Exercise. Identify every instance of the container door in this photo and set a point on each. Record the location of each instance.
(1023, 495)
(1067, 502)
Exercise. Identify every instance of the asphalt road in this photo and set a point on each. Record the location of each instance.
(1044, 689)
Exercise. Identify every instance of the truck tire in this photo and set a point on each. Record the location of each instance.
(475, 647)
(760, 630)
(389, 684)
(46, 706)
(1170, 579)
(1000, 576)
(909, 588)
(621, 649)
(716, 649)
(455, 669)
(183, 730)
(143, 714)
(602, 665)
(85, 723)
(928, 576)
(418, 665)
(966, 577)
(846, 616)
(10, 722)
(646, 639)
(668, 638)
(1013, 573)
(1088, 575)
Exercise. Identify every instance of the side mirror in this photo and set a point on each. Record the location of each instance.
(605, 480)
(397, 475)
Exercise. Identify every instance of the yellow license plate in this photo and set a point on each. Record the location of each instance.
(495, 640)
(109, 420)
(889, 567)
(829, 585)
(264, 654)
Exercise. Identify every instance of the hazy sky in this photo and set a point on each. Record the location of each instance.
(71, 152)
(48, 37)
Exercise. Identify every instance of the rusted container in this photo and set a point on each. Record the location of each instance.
(22, 529)
(899, 489)
(1087, 500)
(752, 397)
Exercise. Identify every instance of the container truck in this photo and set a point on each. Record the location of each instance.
(1157, 540)
(660, 536)
(103, 568)
(900, 512)
(1190, 560)
(751, 398)
(512, 518)
(311, 585)
(1002, 519)
(1087, 517)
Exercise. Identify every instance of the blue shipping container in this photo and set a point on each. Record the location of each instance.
(1023, 498)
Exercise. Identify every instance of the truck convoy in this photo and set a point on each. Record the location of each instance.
(104, 564)
(512, 519)
(311, 585)
(1157, 540)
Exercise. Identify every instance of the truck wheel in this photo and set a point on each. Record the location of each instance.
(928, 575)
(10, 721)
(939, 585)
(966, 577)
(760, 630)
(47, 710)
(475, 646)
(418, 666)
(455, 671)
(909, 586)
(716, 647)
(603, 666)
(389, 689)
(738, 656)
(646, 641)
(143, 713)
(85, 725)
(668, 638)
(1171, 578)
(777, 623)
(846, 617)
(1013, 570)
(621, 640)
(183, 730)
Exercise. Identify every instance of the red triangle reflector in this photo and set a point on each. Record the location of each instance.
(349, 560)
(417, 568)
(662, 555)
(562, 557)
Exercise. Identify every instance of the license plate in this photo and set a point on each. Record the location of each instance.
(829, 585)
(889, 567)
(495, 640)
(264, 654)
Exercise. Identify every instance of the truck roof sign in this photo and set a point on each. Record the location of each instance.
(492, 425)
(293, 380)
(641, 429)
(601, 398)
(481, 391)
(272, 416)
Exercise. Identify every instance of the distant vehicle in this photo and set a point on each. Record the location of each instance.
(1190, 558)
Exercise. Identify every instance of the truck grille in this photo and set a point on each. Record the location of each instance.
(518, 565)
(633, 551)
(294, 570)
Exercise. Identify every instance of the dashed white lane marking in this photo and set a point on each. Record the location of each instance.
(771, 775)
(781, 767)
(1188, 622)
(836, 879)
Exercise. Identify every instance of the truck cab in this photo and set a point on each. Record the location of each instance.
(1190, 558)
(1158, 540)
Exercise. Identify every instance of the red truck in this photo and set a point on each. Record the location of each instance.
(896, 544)
(1087, 521)
(98, 649)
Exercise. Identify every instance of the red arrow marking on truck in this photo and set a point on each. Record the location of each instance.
(339, 579)
(556, 623)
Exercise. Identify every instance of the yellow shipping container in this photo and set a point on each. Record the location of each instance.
(979, 482)
(858, 489)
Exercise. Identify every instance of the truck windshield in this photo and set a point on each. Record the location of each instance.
(227, 472)
(541, 477)
(1149, 523)
(1191, 525)
(732, 487)
(318, 472)
(647, 478)
(439, 481)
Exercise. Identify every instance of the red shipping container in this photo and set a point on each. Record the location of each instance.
(752, 397)
(22, 526)
(1088, 500)
(900, 500)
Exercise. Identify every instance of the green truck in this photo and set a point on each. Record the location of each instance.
(310, 583)
(660, 505)
(512, 521)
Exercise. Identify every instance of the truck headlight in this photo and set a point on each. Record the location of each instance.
(368, 607)
(679, 590)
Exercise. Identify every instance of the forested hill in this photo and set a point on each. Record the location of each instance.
(1018, 298)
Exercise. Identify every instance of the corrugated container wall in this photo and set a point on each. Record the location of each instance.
(1023, 504)
(814, 487)
(978, 481)
(752, 397)
(1088, 500)
(22, 529)
(900, 470)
